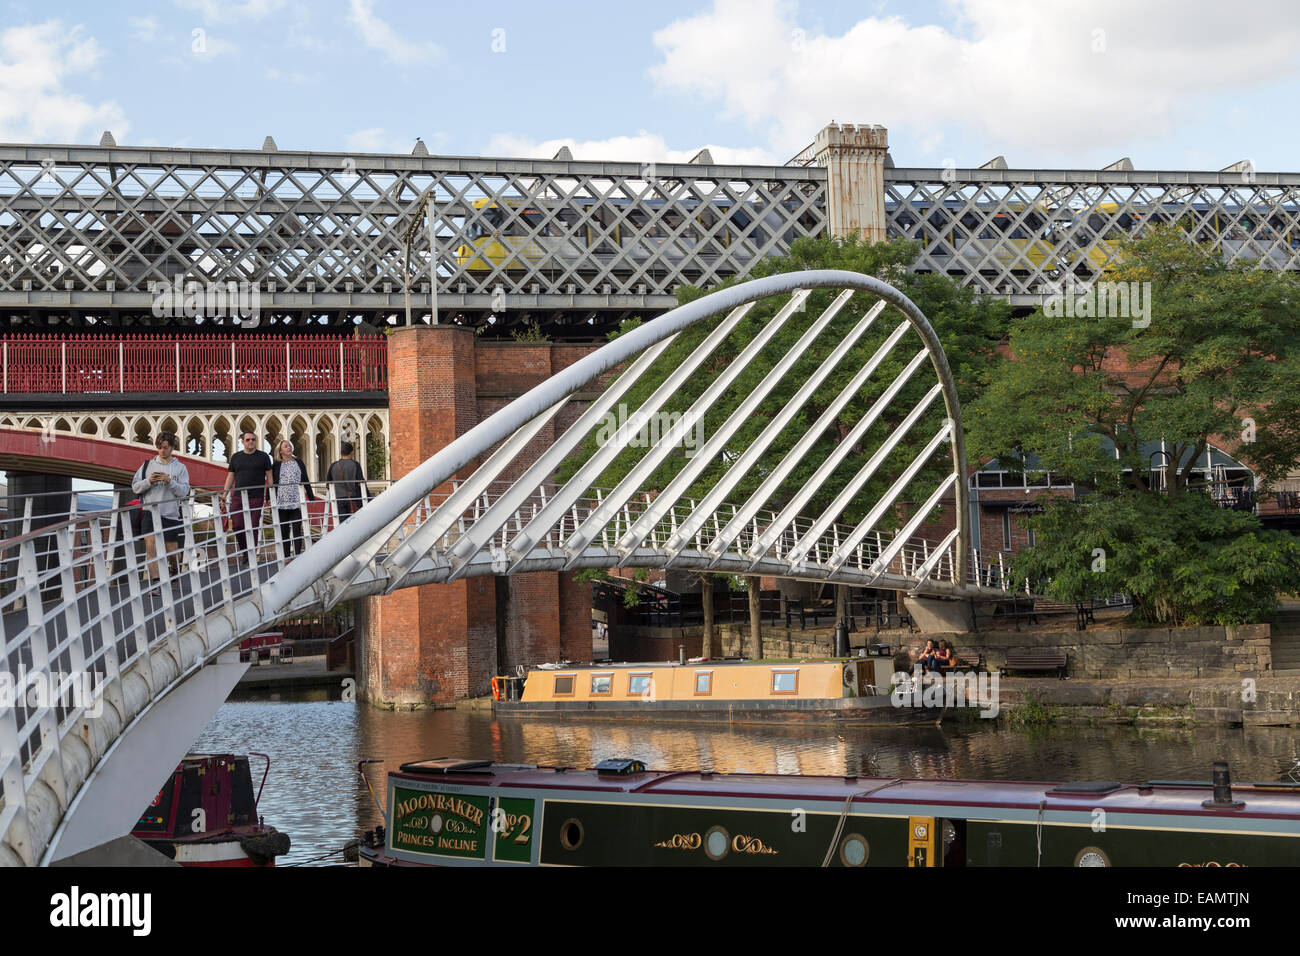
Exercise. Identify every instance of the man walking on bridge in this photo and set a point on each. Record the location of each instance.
(250, 476)
(346, 480)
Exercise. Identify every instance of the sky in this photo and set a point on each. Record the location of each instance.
(1172, 85)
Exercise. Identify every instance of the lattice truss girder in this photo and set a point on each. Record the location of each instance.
(309, 225)
(1029, 235)
(841, 381)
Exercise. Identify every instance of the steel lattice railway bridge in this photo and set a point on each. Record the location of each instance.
(99, 234)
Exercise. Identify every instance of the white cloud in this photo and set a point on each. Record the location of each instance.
(144, 29)
(642, 148)
(1032, 77)
(35, 62)
(377, 34)
(225, 11)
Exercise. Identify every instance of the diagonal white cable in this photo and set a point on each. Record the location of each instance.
(850, 491)
(900, 539)
(703, 457)
(426, 536)
(923, 573)
(714, 499)
(635, 479)
(887, 499)
(799, 500)
(522, 543)
(446, 515)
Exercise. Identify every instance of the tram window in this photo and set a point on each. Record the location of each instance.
(785, 682)
(601, 684)
(564, 686)
(988, 479)
(488, 221)
(529, 221)
(638, 685)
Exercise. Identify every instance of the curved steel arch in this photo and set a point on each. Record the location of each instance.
(343, 554)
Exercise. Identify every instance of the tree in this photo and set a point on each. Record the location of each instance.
(1107, 401)
(969, 327)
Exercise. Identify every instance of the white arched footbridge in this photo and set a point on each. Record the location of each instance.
(76, 769)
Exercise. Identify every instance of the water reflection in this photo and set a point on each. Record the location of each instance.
(314, 794)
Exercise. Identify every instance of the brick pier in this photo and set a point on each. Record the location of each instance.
(440, 643)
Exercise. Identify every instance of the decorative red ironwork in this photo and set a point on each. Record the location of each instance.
(85, 364)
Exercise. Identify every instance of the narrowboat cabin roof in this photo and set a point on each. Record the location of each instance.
(1261, 800)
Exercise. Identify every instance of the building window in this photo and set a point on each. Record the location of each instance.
(703, 683)
(785, 682)
(564, 685)
(601, 685)
(639, 685)
(1006, 531)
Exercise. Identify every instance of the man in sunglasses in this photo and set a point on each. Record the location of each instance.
(250, 476)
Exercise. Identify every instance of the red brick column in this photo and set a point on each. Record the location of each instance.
(436, 643)
(440, 642)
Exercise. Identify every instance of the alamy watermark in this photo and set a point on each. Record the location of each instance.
(953, 689)
(1101, 300)
(189, 299)
(688, 427)
(51, 689)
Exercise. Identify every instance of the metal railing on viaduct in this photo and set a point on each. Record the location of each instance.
(135, 364)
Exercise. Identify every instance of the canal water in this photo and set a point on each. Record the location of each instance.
(314, 794)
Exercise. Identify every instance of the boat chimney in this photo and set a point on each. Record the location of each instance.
(1222, 790)
(681, 654)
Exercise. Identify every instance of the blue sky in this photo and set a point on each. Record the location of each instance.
(1174, 85)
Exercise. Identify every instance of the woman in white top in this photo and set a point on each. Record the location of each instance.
(287, 475)
(161, 483)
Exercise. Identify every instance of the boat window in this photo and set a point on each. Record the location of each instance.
(703, 682)
(601, 684)
(564, 686)
(785, 682)
(639, 685)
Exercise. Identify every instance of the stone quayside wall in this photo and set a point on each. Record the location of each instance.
(1190, 652)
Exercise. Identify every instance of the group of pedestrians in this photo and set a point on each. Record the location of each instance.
(254, 484)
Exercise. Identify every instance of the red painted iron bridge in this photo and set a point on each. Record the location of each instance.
(108, 364)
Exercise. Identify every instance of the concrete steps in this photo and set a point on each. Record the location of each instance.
(1285, 643)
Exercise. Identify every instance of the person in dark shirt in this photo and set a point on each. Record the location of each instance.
(346, 479)
(249, 475)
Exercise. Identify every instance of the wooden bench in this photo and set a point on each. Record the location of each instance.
(968, 662)
(1037, 663)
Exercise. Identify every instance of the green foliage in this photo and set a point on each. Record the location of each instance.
(1033, 712)
(969, 328)
(1223, 344)
(376, 457)
(1183, 559)
(632, 594)
(1085, 395)
(530, 332)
